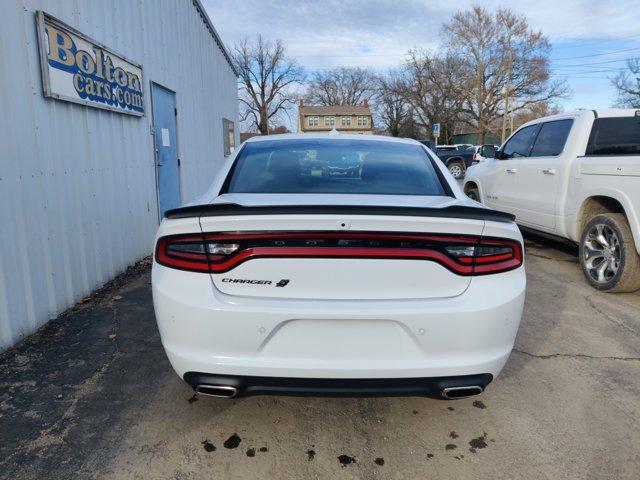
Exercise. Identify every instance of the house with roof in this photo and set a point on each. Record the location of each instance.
(355, 119)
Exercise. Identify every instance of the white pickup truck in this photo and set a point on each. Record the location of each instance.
(575, 176)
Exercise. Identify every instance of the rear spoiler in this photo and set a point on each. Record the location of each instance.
(233, 209)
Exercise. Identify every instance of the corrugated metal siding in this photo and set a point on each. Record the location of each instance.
(78, 198)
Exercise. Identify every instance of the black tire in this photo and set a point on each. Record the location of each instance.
(456, 168)
(608, 255)
(473, 194)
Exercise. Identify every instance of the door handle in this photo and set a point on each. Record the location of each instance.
(549, 171)
(511, 170)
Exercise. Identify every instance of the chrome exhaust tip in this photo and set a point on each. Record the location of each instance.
(218, 391)
(461, 392)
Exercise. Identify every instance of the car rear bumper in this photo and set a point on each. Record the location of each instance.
(338, 387)
(206, 331)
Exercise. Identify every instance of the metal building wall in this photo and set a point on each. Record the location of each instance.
(78, 199)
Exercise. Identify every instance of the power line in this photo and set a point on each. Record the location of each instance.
(578, 77)
(598, 54)
(598, 63)
(587, 72)
(596, 42)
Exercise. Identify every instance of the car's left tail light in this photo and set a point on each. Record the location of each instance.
(220, 252)
(184, 252)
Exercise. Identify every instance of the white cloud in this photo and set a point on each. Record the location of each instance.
(379, 32)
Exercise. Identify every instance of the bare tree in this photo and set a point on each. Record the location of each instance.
(390, 106)
(627, 83)
(505, 65)
(533, 112)
(432, 86)
(266, 77)
(340, 86)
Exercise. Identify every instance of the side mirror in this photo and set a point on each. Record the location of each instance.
(488, 151)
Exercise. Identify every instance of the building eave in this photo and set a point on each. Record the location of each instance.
(214, 34)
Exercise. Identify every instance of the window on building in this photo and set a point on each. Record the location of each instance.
(313, 121)
(329, 121)
(345, 121)
(228, 136)
(362, 121)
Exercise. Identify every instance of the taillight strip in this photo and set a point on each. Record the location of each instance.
(436, 251)
(332, 252)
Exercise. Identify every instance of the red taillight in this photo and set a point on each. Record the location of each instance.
(185, 252)
(497, 255)
(220, 252)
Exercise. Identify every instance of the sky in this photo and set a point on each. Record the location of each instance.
(591, 39)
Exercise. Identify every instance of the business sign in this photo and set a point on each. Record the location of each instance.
(436, 130)
(77, 69)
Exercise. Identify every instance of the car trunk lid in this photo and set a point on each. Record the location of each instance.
(328, 249)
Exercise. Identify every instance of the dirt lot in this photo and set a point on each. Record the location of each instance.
(93, 396)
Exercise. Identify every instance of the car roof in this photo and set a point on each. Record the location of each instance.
(597, 113)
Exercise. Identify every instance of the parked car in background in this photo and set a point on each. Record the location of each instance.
(575, 176)
(457, 158)
(430, 144)
(388, 282)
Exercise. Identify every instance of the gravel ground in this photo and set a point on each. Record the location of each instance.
(91, 395)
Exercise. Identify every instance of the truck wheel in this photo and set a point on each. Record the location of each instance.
(473, 194)
(608, 255)
(456, 168)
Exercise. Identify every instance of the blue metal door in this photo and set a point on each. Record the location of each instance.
(167, 164)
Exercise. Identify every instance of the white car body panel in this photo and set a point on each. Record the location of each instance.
(204, 330)
(552, 201)
(338, 318)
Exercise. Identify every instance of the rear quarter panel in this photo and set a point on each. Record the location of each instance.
(614, 177)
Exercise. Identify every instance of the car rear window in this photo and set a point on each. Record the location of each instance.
(615, 136)
(334, 166)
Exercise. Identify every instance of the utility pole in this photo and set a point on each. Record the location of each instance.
(507, 92)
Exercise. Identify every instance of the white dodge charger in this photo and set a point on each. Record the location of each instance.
(337, 265)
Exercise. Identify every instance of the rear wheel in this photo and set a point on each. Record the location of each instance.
(473, 194)
(608, 255)
(456, 168)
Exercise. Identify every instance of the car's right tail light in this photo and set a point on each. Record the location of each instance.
(465, 255)
(497, 255)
